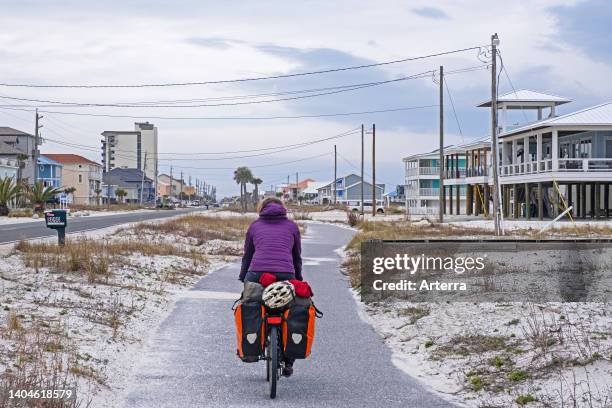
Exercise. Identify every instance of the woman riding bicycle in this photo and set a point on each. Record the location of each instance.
(272, 245)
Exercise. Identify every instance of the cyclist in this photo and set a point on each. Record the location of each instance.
(272, 245)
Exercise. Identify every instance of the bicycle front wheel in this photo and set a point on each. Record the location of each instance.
(273, 362)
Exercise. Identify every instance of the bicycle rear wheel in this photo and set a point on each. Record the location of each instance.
(273, 361)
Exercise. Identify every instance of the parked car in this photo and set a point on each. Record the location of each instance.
(367, 207)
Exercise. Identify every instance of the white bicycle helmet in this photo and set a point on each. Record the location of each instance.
(278, 294)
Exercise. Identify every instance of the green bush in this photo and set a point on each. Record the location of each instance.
(525, 399)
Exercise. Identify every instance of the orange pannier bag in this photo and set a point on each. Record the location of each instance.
(299, 329)
(249, 318)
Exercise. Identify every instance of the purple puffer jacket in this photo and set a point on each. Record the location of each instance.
(272, 244)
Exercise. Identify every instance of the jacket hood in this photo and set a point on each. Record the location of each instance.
(273, 210)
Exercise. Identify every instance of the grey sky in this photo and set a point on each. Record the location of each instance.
(546, 46)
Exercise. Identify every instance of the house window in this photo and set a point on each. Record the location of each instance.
(80, 178)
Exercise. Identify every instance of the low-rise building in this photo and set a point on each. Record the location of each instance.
(170, 186)
(311, 193)
(49, 172)
(81, 173)
(293, 191)
(347, 191)
(558, 163)
(8, 168)
(422, 183)
(478, 177)
(132, 181)
(19, 146)
(545, 167)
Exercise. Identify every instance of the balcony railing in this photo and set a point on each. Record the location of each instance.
(452, 173)
(585, 164)
(477, 172)
(565, 165)
(422, 192)
(423, 171)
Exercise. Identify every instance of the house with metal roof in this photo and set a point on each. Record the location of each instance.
(557, 163)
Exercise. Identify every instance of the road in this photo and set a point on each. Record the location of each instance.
(37, 229)
(191, 361)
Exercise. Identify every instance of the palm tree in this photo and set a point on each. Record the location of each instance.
(242, 176)
(9, 190)
(121, 193)
(21, 158)
(39, 194)
(256, 182)
(70, 191)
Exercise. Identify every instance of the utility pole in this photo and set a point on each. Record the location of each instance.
(171, 182)
(155, 168)
(362, 159)
(441, 159)
(373, 170)
(496, 192)
(335, 172)
(296, 188)
(181, 194)
(36, 143)
(143, 177)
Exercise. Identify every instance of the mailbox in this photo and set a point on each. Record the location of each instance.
(57, 220)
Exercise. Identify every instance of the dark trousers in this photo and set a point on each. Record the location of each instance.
(280, 276)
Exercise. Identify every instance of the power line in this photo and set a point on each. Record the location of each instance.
(505, 70)
(278, 150)
(255, 167)
(142, 117)
(92, 149)
(358, 168)
(309, 142)
(292, 98)
(174, 103)
(450, 96)
(225, 81)
(152, 104)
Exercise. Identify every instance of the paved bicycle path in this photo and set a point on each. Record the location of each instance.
(191, 361)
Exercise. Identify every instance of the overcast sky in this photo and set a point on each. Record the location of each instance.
(559, 47)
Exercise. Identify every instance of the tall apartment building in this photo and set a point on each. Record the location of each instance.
(128, 149)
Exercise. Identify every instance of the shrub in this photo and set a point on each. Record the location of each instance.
(21, 212)
(352, 218)
(525, 399)
(518, 375)
(476, 382)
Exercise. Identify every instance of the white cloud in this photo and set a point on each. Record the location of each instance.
(122, 42)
